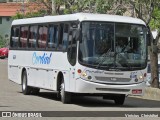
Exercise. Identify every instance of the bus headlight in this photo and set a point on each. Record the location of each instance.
(140, 77)
(86, 76)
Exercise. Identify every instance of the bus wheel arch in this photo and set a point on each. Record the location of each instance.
(59, 79)
(25, 88)
(22, 72)
(64, 96)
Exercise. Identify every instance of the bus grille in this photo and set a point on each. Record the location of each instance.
(112, 79)
(111, 89)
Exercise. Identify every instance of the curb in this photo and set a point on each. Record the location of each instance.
(151, 94)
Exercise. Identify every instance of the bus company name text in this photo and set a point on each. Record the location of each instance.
(41, 59)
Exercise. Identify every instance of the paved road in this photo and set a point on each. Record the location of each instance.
(11, 99)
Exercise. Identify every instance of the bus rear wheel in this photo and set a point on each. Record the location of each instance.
(26, 90)
(65, 96)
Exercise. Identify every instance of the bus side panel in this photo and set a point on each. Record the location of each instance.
(66, 80)
(32, 74)
(13, 68)
(13, 74)
(72, 79)
(50, 81)
(40, 78)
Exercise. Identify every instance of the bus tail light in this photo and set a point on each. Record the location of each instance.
(137, 91)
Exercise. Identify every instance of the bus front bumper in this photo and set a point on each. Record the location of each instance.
(83, 86)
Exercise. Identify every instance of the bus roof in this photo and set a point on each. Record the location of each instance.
(80, 17)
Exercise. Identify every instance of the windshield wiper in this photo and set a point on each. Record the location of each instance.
(104, 57)
(128, 65)
(115, 54)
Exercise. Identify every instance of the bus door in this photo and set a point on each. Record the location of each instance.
(72, 53)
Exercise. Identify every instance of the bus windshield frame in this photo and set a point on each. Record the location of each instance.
(113, 46)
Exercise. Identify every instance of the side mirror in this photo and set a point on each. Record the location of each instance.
(76, 34)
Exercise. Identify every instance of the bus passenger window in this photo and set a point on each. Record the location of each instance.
(33, 36)
(53, 36)
(60, 36)
(65, 36)
(23, 36)
(15, 37)
(42, 37)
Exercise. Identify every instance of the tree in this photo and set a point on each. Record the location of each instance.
(51, 10)
(148, 11)
(3, 42)
(95, 6)
(155, 25)
(33, 9)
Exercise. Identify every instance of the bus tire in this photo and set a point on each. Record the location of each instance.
(35, 91)
(119, 100)
(65, 96)
(26, 90)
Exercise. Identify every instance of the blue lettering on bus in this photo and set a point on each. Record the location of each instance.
(41, 59)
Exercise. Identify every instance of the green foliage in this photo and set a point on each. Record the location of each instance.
(29, 14)
(95, 6)
(102, 6)
(3, 42)
(76, 6)
(155, 21)
(18, 16)
(35, 14)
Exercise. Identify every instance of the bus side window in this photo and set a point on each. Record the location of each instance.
(60, 36)
(65, 36)
(42, 36)
(23, 36)
(15, 36)
(32, 36)
(53, 36)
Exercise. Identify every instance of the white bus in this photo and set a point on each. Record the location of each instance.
(76, 54)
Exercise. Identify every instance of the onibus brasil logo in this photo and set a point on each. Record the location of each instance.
(41, 59)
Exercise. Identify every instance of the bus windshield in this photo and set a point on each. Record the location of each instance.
(108, 46)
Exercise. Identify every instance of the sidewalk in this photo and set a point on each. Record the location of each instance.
(151, 94)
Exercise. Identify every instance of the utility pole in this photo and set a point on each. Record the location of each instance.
(53, 7)
(23, 8)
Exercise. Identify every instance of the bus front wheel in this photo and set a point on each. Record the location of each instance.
(25, 88)
(35, 91)
(65, 96)
(119, 100)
